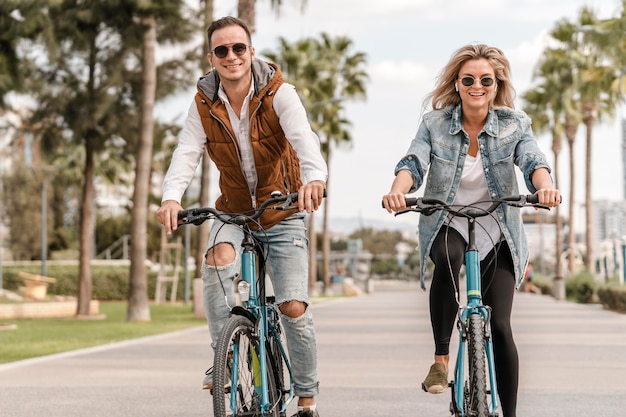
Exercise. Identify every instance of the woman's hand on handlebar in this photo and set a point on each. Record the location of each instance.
(394, 201)
(311, 195)
(550, 197)
(167, 215)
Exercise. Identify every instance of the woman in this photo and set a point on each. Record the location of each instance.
(468, 147)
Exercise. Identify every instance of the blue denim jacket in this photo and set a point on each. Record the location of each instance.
(438, 153)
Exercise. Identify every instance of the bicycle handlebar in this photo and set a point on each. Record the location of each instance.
(198, 216)
(428, 206)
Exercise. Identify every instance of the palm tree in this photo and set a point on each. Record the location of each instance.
(597, 100)
(299, 70)
(326, 74)
(610, 36)
(592, 82)
(167, 17)
(343, 76)
(560, 63)
(246, 11)
(546, 105)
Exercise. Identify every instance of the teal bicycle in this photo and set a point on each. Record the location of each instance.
(474, 391)
(251, 370)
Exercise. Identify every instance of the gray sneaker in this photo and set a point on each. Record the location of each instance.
(437, 380)
(207, 382)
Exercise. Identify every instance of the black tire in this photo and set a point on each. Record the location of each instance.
(477, 404)
(239, 335)
(278, 364)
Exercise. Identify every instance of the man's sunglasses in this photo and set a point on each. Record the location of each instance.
(469, 81)
(238, 48)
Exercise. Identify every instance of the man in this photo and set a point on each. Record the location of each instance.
(256, 131)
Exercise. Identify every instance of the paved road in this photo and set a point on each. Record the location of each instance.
(373, 349)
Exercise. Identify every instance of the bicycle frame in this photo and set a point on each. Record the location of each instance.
(256, 320)
(256, 305)
(474, 306)
(488, 398)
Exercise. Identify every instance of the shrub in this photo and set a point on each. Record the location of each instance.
(581, 287)
(543, 283)
(613, 297)
(110, 283)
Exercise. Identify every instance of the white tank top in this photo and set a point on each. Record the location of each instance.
(473, 187)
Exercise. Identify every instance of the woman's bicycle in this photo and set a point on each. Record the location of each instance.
(251, 370)
(474, 392)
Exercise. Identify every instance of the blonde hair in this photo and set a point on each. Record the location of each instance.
(445, 94)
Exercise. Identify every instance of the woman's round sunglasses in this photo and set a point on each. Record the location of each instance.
(238, 48)
(469, 81)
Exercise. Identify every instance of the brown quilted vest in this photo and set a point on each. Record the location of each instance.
(277, 165)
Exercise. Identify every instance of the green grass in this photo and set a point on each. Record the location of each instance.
(39, 337)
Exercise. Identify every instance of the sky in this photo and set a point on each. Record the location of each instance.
(407, 43)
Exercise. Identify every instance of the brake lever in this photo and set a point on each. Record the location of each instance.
(427, 210)
(287, 205)
(195, 220)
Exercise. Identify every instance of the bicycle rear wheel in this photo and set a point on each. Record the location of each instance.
(237, 359)
(476, 403)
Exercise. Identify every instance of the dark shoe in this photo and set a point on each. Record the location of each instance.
(437, 380)
(306, 413)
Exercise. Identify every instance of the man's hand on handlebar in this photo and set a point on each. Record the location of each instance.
(167, 215)
(311, 195)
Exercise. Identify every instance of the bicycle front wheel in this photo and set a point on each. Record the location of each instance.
(476, 400)
(236, 369)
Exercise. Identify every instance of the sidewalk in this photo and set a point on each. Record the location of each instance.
(374, 351)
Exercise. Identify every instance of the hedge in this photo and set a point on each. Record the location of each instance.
(109, 283)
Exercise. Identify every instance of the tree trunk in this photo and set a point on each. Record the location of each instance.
(326, 237)
(205, 180)
(570, 129)
(590, 256)
(87, 244)
(312, 254)
(205, 228)
(246, 12)
(559, 292)
(85, 250)
(138, 301)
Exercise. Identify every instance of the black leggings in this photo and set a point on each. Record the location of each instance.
(498, 287)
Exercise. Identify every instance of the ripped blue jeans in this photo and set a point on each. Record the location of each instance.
(288, 267)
